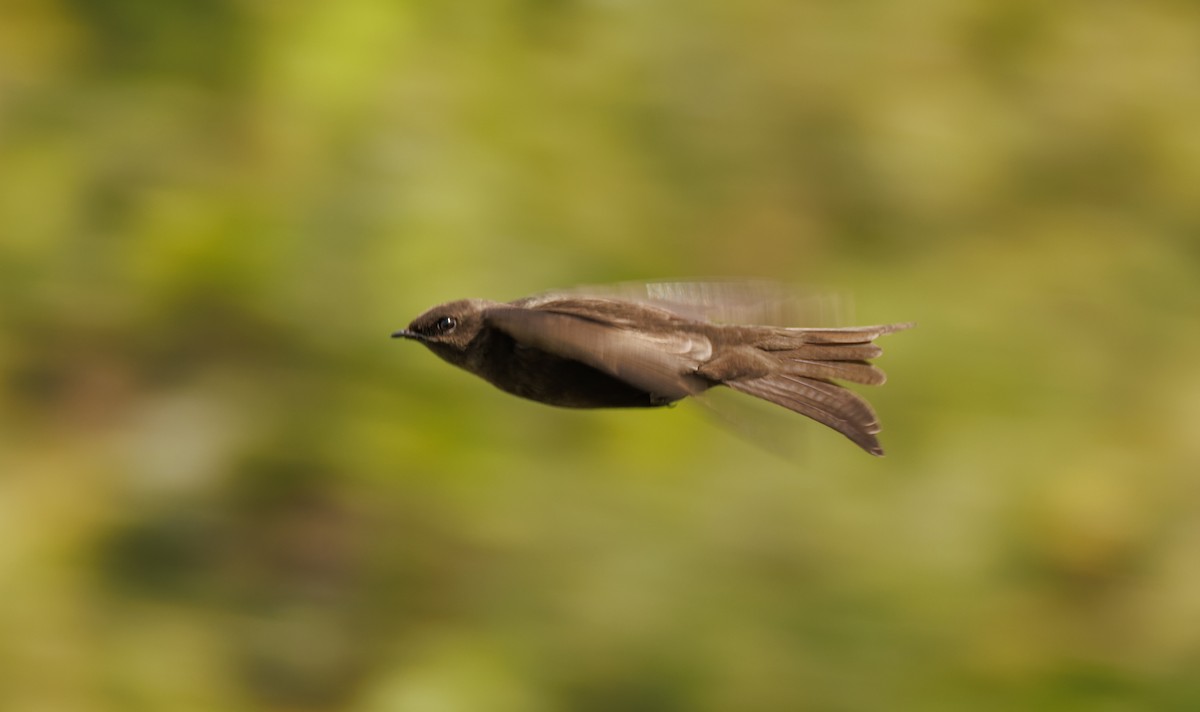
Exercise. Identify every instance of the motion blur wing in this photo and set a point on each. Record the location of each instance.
(725, 301)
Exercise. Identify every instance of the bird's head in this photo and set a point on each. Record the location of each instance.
(448, 329)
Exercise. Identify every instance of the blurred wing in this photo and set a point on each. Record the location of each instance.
(662, 363)
(724, 301)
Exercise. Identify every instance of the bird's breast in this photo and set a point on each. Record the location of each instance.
(540, 376)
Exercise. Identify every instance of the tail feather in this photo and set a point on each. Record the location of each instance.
(773, 338)
(845, 370)
(828, 352)
(827, 403)
(806, 362)
(849, 335)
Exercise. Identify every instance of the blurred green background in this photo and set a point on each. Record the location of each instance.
(222, 487)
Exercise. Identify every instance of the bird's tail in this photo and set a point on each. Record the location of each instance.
(807, 361)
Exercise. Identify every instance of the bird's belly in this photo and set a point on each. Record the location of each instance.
(561, 382)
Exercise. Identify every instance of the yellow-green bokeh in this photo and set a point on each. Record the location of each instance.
(223, 487)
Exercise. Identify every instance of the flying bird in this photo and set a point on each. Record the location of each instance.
(577, 349)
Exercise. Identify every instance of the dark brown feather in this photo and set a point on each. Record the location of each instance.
(661, 363)
(827, 403)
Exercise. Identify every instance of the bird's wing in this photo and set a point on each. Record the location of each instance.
(722, 301)
(660, 362)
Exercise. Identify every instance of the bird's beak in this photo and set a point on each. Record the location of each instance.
(407, 334)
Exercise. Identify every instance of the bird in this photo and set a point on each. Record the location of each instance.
(596, 349)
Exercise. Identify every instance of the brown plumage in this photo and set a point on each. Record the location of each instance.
(582, 351)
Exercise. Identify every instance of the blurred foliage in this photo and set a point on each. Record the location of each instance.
(223, 487)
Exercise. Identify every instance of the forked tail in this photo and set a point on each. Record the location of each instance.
(805, 362)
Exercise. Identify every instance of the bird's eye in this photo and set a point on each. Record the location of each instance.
(444, 325)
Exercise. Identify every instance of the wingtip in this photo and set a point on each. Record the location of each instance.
(870, 446)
